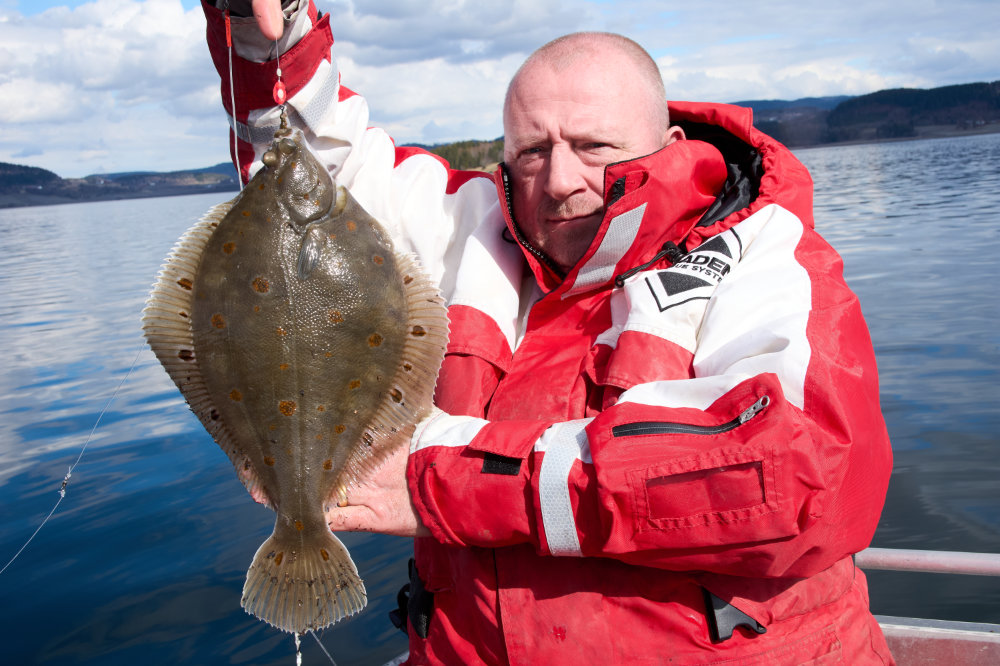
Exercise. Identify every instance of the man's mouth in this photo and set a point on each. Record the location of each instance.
(569, 219)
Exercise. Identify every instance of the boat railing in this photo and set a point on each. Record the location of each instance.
(917, 641)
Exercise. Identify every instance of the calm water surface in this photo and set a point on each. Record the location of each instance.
(144, 561)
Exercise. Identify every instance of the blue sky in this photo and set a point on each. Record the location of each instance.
(119, 85)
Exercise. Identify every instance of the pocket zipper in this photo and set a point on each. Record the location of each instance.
(667, 428)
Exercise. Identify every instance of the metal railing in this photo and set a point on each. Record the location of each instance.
(917, 641)
(929, 561)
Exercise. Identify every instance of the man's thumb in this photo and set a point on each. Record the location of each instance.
(269, 17)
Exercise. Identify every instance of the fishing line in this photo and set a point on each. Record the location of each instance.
(65, 481)
(322, 647)
(232, 98)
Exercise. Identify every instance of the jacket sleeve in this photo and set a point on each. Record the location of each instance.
(772, 460)
(429, 209)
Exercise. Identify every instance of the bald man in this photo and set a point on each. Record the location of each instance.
(658, 436)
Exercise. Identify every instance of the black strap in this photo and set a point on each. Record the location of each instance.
(494, 463)
(723, 618)
(415, 604)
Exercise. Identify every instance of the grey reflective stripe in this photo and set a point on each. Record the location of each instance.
(254, 135)
(600, 268)
(312, 113)
(563, 444)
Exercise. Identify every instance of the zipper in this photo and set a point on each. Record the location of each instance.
(668, 428)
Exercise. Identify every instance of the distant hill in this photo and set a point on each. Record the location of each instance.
(761, 106)
(886, 114)
(32, 186)
(810, 121)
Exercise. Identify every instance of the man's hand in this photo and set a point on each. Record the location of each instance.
(380, 504)
(270, 20)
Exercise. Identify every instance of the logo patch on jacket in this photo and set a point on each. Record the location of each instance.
(696, 274)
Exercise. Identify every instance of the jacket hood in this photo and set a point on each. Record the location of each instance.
(689, 191)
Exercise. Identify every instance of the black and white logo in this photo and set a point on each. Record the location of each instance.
(696, 275)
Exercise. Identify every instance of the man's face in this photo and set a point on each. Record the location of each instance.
(561, 128)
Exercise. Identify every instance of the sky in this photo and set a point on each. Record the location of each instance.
(127, 85)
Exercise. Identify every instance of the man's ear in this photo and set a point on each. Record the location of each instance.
(673, 133)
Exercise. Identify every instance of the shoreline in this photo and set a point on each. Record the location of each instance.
(27, 200)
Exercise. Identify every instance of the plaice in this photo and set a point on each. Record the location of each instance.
(308, 348)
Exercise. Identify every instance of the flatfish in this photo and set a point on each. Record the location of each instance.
(308, 348)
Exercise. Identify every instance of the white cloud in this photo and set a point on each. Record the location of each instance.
(128, 84)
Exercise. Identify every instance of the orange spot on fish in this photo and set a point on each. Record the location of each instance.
(418, 332)
(256, 308)
(246, 213)
(186, 283)
(183, 314)
(229, 248)
(408, 367)
(351, 225)
(320, 408)
(261, 188)
(235, 395)
(281, 331)
(283, 366)
(278, 558)
(339, 429)
(218, 321)
(328, 354)
(328, 464)
(299, 526)
(335, 316)
(185, 355)
(374, 340)
(408, 279)
(378, 260)
(287, 407)
(322, 553)
(354, 384)
(272, 426)
(396, 395)
(261, 286)
(269, 461)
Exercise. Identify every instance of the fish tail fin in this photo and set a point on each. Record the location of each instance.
(297, 585)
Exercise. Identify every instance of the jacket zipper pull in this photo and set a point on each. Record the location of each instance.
(754, 409)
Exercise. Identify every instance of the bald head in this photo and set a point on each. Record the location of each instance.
(577, 105)
(575, 50)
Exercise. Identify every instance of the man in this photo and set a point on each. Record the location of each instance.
(659, 437)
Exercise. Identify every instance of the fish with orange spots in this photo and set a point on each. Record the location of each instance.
(308, 348)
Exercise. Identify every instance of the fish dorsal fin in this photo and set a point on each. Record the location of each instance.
(166, 323)
(410, 394)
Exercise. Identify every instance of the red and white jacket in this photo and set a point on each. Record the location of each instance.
(632, 452)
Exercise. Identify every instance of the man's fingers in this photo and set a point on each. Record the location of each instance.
(269, 18)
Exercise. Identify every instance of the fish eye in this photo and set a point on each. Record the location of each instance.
(269, 158)
(287, 146)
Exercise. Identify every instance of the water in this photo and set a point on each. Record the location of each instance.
(144, 561)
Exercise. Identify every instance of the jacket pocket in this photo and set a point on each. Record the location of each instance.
(723, 485)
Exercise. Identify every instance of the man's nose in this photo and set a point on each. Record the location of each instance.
(565, 174)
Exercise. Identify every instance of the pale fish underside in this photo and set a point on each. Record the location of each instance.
(308, 348)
